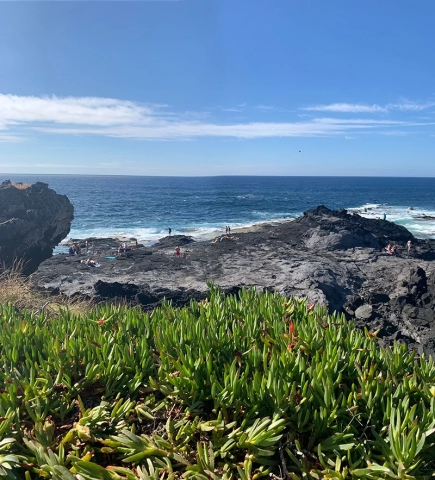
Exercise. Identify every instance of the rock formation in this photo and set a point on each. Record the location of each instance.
(328, 257)
(33, 220)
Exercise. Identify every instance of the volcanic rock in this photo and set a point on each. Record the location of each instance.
(33, 220)
(364, 312)
(328, 257)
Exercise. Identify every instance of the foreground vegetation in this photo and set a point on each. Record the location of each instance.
(19, 290)
(230, 388)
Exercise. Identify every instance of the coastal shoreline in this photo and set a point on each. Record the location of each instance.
(420, 222)
(249, 228)
(326, 257)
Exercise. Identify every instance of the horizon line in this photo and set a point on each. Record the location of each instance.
(213, 176)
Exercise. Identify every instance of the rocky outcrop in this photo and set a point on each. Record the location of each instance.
(403, 309)
(328, 257)
(339, 230)
(33, 220)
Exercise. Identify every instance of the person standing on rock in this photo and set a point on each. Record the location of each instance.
(408, 246)
(169, 231)
(384, 216)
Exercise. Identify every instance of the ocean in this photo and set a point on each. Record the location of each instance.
(145, 207)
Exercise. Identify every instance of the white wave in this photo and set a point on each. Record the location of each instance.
(143, 235)
(366, 208)
(247, 195)
(406, 216)
(152, 235)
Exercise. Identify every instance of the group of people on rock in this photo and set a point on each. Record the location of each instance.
(179, 253)
(227, 236)
(76, 248)
(84, 248)
(126, 248)
(90, 262)
(392, 249)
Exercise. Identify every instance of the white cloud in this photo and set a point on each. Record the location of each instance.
(361, 121)
(404, 106)
(411, 106)
(232, 109)
(346, 108)
(183, 130)
(72, 110)
(126, 119)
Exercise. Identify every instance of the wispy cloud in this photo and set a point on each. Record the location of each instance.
(346, 108)
(73, 110)
(5, 138)
(411, 106)
(126, 119)
(271, 108)
(236, 108)
(265, 107)
(231, 109)
(405, 106)
(395, 133)
(109, 164)
(183, 130)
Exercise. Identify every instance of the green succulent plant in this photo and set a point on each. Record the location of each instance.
(234, 387)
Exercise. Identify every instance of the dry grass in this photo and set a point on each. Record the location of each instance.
(21, 186)
(14, 287)
(18, 290)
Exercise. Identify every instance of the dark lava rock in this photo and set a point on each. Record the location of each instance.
(328, 257)
(333, 230)
(33, 220)
(379, 298)
(175, 240)
(424, 217)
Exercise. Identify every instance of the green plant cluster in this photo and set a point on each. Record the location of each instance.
(234, 387)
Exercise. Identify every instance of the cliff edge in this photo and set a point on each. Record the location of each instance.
(33, 220)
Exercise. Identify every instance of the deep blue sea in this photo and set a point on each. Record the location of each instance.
(144, 207)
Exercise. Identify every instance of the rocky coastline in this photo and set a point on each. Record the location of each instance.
(33, 220)
(328, 257)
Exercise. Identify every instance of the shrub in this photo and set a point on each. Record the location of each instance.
(242, 386)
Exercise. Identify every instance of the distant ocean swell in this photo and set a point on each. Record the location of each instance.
(145, 207)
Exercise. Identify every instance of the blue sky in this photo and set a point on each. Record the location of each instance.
(218, 87)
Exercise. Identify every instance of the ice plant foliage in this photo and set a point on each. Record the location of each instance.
(234, 387)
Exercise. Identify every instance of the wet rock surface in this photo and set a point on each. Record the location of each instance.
(33, 220)
(328, 257)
